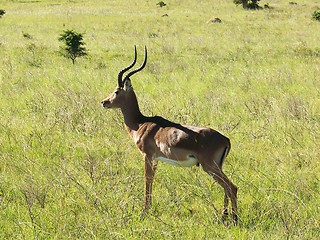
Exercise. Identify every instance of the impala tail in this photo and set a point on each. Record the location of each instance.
(225, 154)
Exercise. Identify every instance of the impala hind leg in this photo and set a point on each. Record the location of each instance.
(229, 188)
(230, 192)
(149, 171)
(225, 207)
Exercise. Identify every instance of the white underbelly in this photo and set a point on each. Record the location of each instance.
(188, 162)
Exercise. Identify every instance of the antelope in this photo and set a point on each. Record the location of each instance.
(159, 139)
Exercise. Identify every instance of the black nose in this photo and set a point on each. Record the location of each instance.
(105, 102)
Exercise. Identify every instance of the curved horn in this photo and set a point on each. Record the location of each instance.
(120, 82)
(140, 68)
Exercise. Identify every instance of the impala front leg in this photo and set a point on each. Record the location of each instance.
(149, 170)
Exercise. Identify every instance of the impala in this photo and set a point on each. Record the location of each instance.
(159, 139)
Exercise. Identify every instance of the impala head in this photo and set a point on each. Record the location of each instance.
(122, 93)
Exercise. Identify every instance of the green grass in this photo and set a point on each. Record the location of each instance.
(68, 169)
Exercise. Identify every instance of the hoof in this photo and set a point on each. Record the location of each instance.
(235, 219)
(225, 215)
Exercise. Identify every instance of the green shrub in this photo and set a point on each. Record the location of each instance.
(2, 12)
(248, 4)
(316, 15)
(74, 45)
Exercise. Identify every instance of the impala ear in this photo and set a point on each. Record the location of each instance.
(127, 84)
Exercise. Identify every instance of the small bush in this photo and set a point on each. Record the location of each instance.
(161, 4)
(2, 12)
(316, 15)
(248, 4)
(253, 5)
(27, 35)
(74, 45)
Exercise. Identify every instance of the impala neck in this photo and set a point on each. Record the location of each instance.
(131, 112)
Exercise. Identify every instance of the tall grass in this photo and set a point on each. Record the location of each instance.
(68, 169)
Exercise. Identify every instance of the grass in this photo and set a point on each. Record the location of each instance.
(68, 169)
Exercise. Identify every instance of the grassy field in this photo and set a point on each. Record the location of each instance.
(69, 170)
